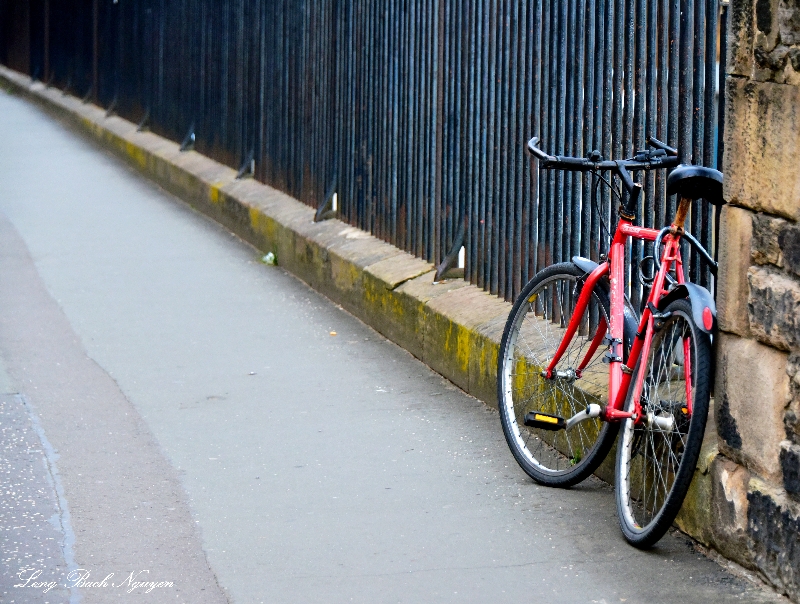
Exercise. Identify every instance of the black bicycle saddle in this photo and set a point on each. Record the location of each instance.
(696, 182)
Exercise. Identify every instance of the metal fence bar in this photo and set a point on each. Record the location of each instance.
(413, 112)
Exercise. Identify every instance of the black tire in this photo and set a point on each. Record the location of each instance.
(529, 342)
(656, 463)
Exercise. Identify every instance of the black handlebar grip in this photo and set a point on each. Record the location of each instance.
(573, 162)
(665, 162)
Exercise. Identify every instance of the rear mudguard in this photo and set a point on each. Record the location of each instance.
(631, 316)
(704, 310)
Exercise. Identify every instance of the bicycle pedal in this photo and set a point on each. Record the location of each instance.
(545, 421)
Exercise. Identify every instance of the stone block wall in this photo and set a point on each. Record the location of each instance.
(754, 478)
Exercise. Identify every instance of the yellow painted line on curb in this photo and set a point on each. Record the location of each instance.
(137, 154)
(214, 193)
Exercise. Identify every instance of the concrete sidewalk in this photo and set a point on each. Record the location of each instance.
(254, 455)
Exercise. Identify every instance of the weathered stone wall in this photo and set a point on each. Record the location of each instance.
(751, 471)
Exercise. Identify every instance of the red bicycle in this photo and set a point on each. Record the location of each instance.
(578, 363)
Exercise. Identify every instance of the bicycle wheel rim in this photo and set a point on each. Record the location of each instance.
(547, 454)
(656, 464)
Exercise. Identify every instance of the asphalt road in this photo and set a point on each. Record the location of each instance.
(178, 413)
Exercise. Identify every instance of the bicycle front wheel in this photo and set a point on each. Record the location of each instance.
(533, 333)
(656, 458)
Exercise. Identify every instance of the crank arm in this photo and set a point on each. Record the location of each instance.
(591, 412)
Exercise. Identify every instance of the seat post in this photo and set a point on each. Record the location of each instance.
(683, 210)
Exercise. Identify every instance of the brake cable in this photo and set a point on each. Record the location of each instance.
(599, 177)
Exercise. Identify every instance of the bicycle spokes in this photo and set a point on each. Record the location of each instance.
(659, 450)
(545, 414)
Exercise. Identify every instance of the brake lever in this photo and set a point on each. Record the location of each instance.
(654, 142)
(649, 155)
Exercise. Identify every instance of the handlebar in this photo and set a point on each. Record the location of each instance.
(644, 160)
(661, 156)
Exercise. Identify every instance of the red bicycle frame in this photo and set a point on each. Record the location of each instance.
(620, 373)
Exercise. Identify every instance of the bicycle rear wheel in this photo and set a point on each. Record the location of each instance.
(532, 335)
(656, 458)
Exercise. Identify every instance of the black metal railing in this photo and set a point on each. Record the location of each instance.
(414, 112)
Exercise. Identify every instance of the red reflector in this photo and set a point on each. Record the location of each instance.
(708, 318)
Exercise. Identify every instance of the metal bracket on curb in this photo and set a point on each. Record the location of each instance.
(325, 209)
(452, 255)
(145, 121)
(248, 168)
(112, 106)
(188, 140)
